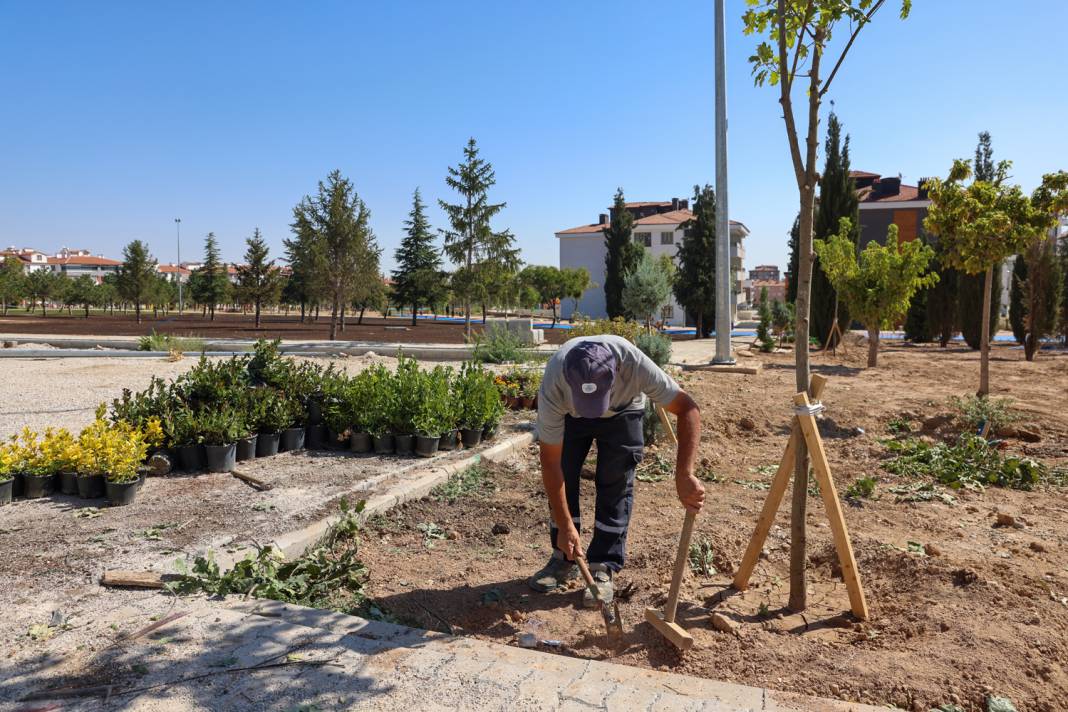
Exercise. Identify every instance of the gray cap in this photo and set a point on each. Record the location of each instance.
(590, 371)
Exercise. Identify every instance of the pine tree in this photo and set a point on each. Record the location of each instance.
(418, 280)
(1017, 310)
(259, 282)
(484, 258)
(12, 282)
(304, 286)
(336, 244)
(213, 283)
(838, 199)
(576, 282)
(695, 284)
(622, 255)
(648, 287)
(136, 274)
(83, 292)
(970, 286)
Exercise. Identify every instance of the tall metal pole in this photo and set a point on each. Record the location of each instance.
(723, 225)
(178, 230)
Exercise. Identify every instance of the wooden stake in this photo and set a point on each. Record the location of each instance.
(667, 426)
(132, 579)
(252, 482)
(831, 503)
(774, 498)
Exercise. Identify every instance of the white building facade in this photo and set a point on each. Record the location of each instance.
(659, 227)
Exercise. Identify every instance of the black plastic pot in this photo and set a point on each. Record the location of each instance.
(359, 442)
(316, 437)
(292, 439)
(489, 431)
(471, 436)
(68, 483)
(90, 486)
(38, 485)
(18, 485)
(221, 458)
(191, 458)
(315, 411)
(267, 444)
(403, 444)
(449, 441)
(426, 446)
(6, 488)
(246, 448)
(383, 444)
(122, 493)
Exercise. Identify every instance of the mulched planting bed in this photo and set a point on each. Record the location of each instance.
(962, 607)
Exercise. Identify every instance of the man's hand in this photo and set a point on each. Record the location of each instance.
(567, 541)
(691, 492)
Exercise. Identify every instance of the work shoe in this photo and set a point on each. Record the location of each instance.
(556, 573)
(602, 579)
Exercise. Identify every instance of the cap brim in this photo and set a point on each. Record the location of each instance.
(590, 405)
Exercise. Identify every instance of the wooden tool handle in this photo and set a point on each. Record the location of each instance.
(668, 429)
(586, 575)
(680, 567)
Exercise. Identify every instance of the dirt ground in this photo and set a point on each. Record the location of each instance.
(983, 610)
(239, 326)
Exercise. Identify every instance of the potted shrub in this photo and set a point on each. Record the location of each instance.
(8, 462)
(493, 410)
(219, 431)
(469, 400)
(182, 430)
(125, 452)
(292, 437)
(434, 412)
(408, 384)
(381, 409)
(59, 449)
(359, 407)
(247, 436)
(271, 416)
(37, 471)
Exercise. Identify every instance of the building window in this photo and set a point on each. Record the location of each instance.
(667, 312)
(644, 238)
(667, 238)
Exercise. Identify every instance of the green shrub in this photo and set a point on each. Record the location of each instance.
(654, 345)
(221, 426)
(976, 411)
(497, 344)
(619, 326)
(862, 488)
(180, 427)
(170, 342)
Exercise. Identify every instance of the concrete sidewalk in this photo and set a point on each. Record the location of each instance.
(328, 661)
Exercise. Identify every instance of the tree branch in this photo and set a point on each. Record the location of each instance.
(800, 37)
(849, 44)
(785, 86)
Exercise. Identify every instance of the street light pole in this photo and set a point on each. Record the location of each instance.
(723, 225)
(178, 230)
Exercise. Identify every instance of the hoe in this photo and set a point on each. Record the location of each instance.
(665, 622)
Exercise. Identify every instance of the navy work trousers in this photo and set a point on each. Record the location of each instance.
(619, 450)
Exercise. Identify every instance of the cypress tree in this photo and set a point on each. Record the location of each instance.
(1064, 288)
(1017, 312)
(791, 268)
(1041, 295)
(417, 281)
(838, 199)
(695, 283)
(918, 324)
(970, 289)
(621, 256)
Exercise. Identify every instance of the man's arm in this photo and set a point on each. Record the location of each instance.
(552, 477)
(691, 491)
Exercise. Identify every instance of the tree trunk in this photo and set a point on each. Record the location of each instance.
(873, 347)
(484, 313)
(137, 311)
(415, 307)
(984, 338)
(359, 321)
(44, 308)
(333, 319)
(799, 508)
(86, 311)
(699, 324)
(1030, 346)
(257, 313)
(342, 317)
(467, 318)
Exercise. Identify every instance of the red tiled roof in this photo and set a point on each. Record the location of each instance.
(171, 269)
(863, 174)
(592, 228)
(87, 260)
(907, 192)
(673, 217)
(648, 203)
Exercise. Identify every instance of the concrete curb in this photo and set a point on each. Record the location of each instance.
(409, 486)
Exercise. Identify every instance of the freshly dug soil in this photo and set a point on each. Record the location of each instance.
(961, 607)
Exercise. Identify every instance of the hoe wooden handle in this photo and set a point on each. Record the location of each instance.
(681, 560)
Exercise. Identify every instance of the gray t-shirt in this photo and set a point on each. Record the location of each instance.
(636, 377)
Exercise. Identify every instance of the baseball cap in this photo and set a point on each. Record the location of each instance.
(590, 371)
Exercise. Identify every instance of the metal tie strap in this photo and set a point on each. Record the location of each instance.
(813, 408)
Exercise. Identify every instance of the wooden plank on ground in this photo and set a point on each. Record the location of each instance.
(833, 505)
(132, 579)
(251, 481)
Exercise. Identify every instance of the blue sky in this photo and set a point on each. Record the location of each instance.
(120, 116)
